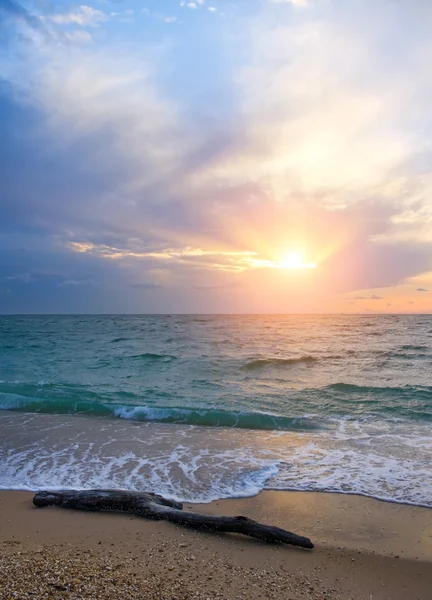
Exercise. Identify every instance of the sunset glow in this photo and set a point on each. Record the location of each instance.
(261, 156)
(294, 260)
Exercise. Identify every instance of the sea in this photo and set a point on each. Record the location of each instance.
(199, 408)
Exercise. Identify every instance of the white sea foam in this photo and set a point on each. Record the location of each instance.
(203, 464)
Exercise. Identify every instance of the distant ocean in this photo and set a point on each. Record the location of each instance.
(205, 407)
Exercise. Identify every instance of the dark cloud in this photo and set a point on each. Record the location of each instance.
(146, 286)
(13, 10)
(49, 186)
(373, 297)
(222, 286)
(36, 276)
(67, 282)
(422, 290)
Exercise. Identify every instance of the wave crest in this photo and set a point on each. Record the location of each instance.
(261, 363)
(204, 417)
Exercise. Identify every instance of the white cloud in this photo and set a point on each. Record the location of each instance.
(159, 16)
(211, 9)
(195, 5)
(78, 37)
(297, 3)
(216, 258)
(86, 16)
(321, 108)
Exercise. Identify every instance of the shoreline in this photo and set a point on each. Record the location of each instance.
(364, 548)
(252, 459)
(250, 497)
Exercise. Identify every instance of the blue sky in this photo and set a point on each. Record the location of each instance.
(168, 156)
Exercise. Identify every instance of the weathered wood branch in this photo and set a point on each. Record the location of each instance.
(153, 506)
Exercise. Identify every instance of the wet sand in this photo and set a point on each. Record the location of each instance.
(364, 550)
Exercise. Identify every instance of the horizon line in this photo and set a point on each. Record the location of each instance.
(167, 314)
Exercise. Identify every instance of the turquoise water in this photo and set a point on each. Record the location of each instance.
(201, 407)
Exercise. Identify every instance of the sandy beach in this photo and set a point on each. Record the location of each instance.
(364, 550)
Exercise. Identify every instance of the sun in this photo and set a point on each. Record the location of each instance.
(294, 260)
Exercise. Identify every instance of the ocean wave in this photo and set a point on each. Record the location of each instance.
(327, 404)
(214, 417)
(153, 357)
(404, 402)
(409, 356)
(407, 390)
(261, 363)
(204, 417)
(414, 347)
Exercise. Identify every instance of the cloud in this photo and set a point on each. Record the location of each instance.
(74, 282)
(313, 130)
(159, 16)
(196, 5)
(146, 286)
(78, 37)
(18, 24)
(192, 5)
(68, 282)
(296, 3)
(222, 286)
(373, 297)
(35, 276)
(84, 15)
(17, 11)
(45, 276)
(217, 259)
(422, 290)
(305, 139)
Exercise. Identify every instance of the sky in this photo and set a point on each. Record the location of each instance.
(257, 156)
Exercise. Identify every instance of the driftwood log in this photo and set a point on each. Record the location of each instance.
(153, 506)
